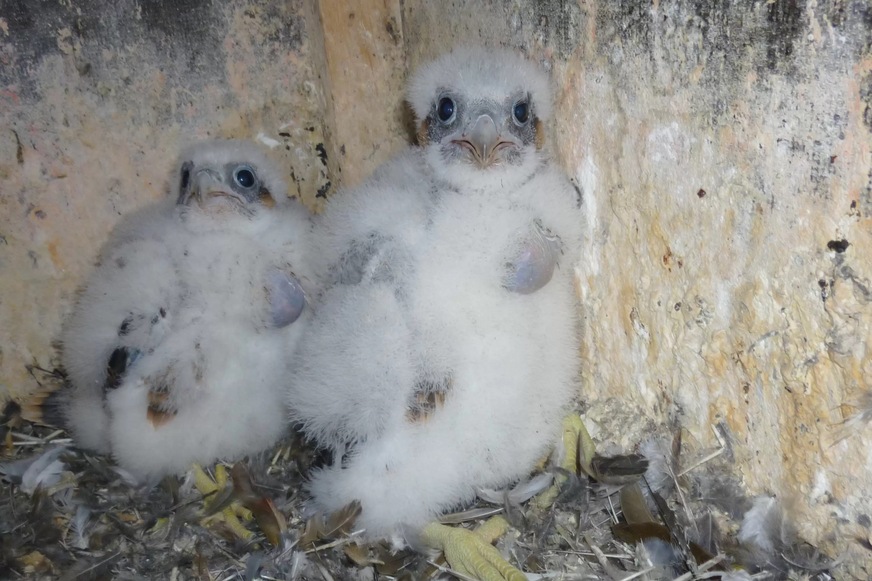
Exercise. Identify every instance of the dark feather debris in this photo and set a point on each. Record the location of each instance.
(71, 515)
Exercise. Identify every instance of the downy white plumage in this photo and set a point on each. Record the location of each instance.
(179, 344)
(444, 352)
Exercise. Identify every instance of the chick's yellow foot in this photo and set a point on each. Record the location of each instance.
(471, 553)
(219, 503)
(578, 451)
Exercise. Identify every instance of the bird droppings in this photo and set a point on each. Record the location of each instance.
(267, 140)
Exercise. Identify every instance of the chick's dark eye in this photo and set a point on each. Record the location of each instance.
(521, 112)
(445, 109)
(244, 177)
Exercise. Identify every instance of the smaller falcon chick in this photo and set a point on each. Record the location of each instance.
(180, 341)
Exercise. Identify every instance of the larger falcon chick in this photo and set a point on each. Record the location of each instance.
(179, 344)
(444, 355)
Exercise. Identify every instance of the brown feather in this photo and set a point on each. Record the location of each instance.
(429, 397)
(159, 409)
(266, 198)
(634, 506)
(422, 135)
(338, 524)
(158, 418)
(621, 469)
(44, 405)
(635, 533)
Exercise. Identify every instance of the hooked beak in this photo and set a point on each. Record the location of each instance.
(484, 141)
(207, 187)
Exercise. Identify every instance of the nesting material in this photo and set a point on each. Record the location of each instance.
(67, 514)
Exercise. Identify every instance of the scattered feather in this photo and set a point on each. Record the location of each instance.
(663, 556)
(643, 532)
(634, 506)
(298, 564)
(863, 405)
(253, 565)
(468, 515)
(98, 526)
(737, 576)
(621, 469)
(126, 476)
(339, 523)
(764, 526)
(518, 494)
(861, 416)
(65, 500)
(660, 473)
(78, 526)
(43, 470)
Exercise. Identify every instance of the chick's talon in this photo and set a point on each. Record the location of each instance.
(471, 553)
(578, 451)
(230, 514)
(578, 444)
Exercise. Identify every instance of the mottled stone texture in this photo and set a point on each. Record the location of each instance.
(725, 157)
(364, 49)
(723, 150)
(725, 154)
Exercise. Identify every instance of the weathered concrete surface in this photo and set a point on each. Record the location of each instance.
(724, 152)
(95, 100)
(723, 149)
(364, 49)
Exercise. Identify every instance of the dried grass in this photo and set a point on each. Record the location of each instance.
(92, 523)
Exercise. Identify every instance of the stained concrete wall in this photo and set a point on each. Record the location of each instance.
(724, 151)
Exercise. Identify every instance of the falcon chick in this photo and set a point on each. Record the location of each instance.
(179, 344)
(444, 353)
